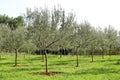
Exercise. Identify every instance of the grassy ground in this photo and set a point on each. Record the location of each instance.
(100, 69)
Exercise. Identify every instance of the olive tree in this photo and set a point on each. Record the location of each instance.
(16, 39)
(66, 31)
(45, 32)
(102, 42)
(4, 34)
(111, 35)
(76, 42)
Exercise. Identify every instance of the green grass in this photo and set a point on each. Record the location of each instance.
(100, 69)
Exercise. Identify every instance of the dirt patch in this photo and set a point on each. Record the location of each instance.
(46, 73)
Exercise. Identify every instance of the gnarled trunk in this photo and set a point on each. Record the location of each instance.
(46, 61)
(16, 55)
(24, 55)
(0, 57)
(92, 55)
(102, 54)
(77, 59)
(42, 55)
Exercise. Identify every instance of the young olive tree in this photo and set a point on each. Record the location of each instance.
(66, 31)
(102, 42)
(111, 35)
(4, 34)
(16, 40)
(12, 39)
(76, 42)
(81, 38)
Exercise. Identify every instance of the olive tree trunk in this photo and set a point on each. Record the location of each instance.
(77, 58)
(92, 55)
(46, 61)
(16, 55)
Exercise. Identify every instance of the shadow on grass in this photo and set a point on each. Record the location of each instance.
(21, 69)
(3, 58)
(96, 71)
(7, 63)
(34, 58)
(106, 60)
(61, 62)
(117, 62)
(111, 60)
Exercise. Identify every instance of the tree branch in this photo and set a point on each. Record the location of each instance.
(52, 43)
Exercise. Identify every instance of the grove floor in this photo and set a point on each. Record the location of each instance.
(100, 69)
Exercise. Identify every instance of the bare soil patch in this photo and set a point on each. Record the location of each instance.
(52, 73)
